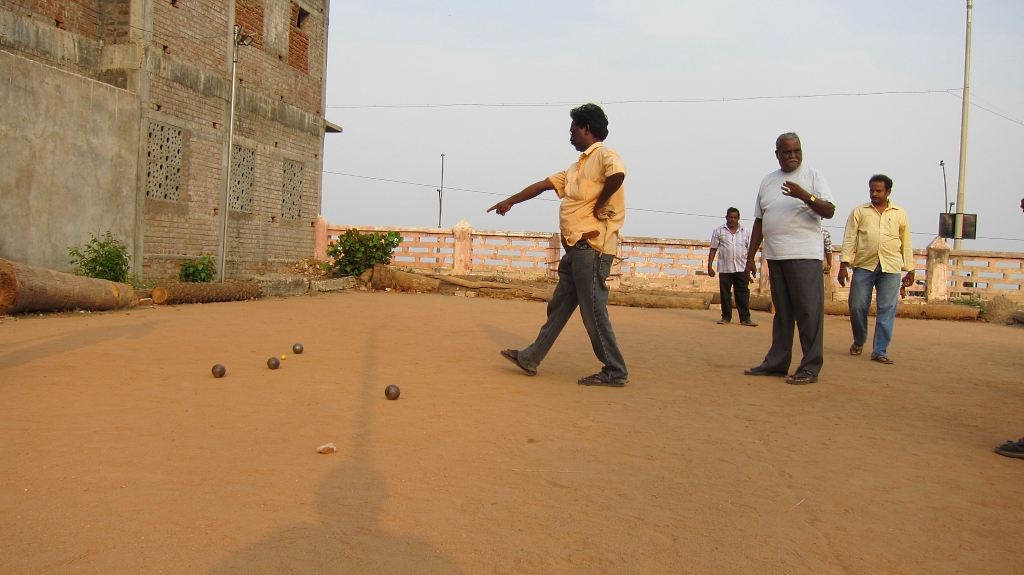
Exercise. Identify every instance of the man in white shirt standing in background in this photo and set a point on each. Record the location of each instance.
(730, 243)
(787, 216)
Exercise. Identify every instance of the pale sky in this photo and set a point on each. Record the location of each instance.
(695, 158)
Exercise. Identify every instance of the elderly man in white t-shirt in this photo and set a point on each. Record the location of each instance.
(788, 212)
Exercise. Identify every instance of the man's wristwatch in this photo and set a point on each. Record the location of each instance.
(811, 199)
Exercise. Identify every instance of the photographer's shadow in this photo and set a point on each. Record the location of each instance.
(348, 537)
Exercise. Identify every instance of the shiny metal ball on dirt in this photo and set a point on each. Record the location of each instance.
(219, 371)
(392, 392)
(297, 348)
(273, 363)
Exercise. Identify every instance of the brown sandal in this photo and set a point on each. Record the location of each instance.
(513, 356)
(881, 359)
(856, 349)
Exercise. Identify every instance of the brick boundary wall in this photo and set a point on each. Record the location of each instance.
(662, 263)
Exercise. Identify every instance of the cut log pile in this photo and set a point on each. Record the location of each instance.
(25, 288)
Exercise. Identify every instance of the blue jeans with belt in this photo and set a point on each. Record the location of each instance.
(582, 272)
(887, 286)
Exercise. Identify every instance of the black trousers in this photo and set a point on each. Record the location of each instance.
(798, 294)
(737, 282)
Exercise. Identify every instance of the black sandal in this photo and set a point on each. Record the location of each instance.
(802, 378)
(513, 356)
(762, 371)
(596, 379)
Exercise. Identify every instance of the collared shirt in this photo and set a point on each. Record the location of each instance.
(732, 248)
(872, 238)
(579, 187)
(792, 230)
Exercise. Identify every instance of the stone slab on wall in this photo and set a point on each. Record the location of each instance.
(68, 161)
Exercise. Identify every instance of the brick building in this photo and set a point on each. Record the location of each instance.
(114, 116)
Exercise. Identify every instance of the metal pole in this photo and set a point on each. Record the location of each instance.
(222, 241)
(958, 226)
(440, 193)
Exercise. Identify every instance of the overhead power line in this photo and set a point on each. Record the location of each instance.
(668, 101)
(649, 210)
(950, 91)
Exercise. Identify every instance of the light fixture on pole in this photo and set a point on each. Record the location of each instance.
(948, 205)
(238, 39)
(440, 193)
(958, 223)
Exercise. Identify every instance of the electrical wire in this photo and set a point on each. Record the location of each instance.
(975, 104)
(649, 210)
(670, 101)
(950, 91)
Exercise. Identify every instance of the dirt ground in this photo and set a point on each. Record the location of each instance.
(120, 453)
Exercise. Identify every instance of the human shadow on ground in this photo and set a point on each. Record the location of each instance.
(347, 536)
(505, 338)
(74, 340)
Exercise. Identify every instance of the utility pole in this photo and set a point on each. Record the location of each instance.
(440, 193)
(239, 39)
(958, 224)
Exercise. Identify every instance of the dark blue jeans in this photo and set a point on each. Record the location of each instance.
(582, 272)
(887, 287)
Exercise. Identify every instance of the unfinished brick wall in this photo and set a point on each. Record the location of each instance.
(81, 17)
(298, 40)
(249, 15)
(188, 74)
(194, 31)
(264, 234)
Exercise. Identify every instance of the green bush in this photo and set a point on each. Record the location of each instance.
(354, 253)
(199, 271)
(105, 259)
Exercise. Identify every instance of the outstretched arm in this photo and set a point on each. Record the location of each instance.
(531, 191)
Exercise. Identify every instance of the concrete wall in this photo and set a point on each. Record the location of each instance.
(68, 161)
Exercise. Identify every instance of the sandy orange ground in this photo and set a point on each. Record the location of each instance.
(120, 453)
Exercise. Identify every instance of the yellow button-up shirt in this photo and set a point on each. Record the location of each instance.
(872, 239)
(579, 187)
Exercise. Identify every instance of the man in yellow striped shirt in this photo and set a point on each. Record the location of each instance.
(877, 244)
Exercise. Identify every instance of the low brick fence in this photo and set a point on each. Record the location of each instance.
(665, 263)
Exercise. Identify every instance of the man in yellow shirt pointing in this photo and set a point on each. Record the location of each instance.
(591, 213)
(877, 244)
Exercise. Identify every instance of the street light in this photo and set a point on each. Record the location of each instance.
(958, 224)
(238, 39)
(440, 193)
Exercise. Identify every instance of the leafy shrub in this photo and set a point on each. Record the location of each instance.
(199, 271)
(354, 253)
(105, 259)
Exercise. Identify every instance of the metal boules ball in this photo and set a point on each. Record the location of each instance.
(273, 363)
(297, 348)
(392, 392)
(219, 371)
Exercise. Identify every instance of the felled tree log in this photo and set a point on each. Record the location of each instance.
(25, 288)
(757, 302)
(205, 292)
(914, 311)
(385, 277)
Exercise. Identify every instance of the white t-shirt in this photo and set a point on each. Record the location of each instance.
(792, 231)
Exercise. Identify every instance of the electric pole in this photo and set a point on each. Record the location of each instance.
(958, 224)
